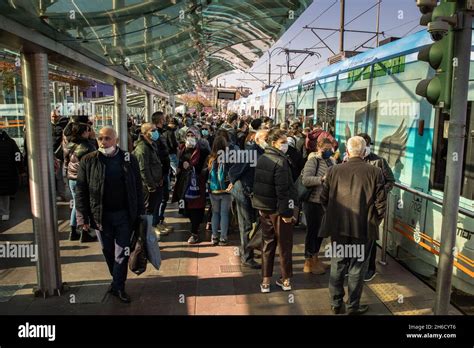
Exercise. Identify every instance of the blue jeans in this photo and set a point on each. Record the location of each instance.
(356, 269)
(115, 240)
(72, 187)
(247, 216)
(164, 199)
(220, 214)
(174, 163)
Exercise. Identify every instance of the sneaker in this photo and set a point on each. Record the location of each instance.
(5, 217)
(284, 284)
(167, 227)
(161, 230)
(336, 309)
(215, 241)
(369, 276)
(223, 242)
(265, 288)
(193, 239)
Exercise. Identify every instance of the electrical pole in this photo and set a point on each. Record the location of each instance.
(454, 165)
(341, 33)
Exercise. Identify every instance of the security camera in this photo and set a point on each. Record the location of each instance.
(438, 29)
(426, 5)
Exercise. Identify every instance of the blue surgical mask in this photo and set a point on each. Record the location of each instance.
(327, 154)
(155, 135)
(205, 132)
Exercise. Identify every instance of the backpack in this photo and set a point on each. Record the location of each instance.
(216, 178)
(316, 135)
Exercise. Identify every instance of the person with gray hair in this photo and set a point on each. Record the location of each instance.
(109, 198)
(353, 198)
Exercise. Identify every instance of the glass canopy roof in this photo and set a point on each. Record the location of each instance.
(174, 44)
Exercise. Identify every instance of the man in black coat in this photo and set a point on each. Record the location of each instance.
(150, 165)
(381, 163)
(353, 197)
(109, 195)
(12, 166)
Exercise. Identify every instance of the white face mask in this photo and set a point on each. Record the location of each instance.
(367, 151)
(284, 147)
(191, 142)
(107, 151)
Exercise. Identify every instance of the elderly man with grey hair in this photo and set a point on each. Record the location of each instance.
(353, 197)
(109, 197)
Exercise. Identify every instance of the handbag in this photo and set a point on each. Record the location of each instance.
(152, 245)
(193, 192)
(138, 257)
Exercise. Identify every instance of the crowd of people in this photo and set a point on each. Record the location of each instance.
(207, 161)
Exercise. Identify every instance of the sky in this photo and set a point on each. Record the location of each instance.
(398, 18)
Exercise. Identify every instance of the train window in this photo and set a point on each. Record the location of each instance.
(357, 95)
(326, 113)
(440, 151)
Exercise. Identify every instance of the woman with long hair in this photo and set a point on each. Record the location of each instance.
(219, 187)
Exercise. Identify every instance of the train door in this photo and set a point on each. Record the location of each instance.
(440, 152)
(365, 120)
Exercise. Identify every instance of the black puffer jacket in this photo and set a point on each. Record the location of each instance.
(11, 165)
(273, 188)
(73, 152)
(150, 166)
(90, 188)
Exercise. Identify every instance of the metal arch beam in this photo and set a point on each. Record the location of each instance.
(18, 37)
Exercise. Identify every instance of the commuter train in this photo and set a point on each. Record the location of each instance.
(374, 92)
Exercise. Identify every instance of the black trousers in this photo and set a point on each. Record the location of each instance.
(150, 200)
(195, 216)
(373, 254)
(313, 213)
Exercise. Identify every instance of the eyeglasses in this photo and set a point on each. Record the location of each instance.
(100, 138)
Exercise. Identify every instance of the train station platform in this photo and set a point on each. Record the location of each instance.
(193, 280)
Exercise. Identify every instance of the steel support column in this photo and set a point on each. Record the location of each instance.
(172, 104)
(148, 107)
(120, 114)
(41, 169)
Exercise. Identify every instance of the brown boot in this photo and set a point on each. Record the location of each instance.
(308, 265)
(317, 267)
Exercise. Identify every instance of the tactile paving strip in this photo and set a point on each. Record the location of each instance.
(230, 268)
(390, 297)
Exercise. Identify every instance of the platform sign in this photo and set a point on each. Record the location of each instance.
(226, 95)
